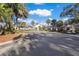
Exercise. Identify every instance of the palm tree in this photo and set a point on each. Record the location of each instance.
(8, 10)
(19, 10)
(3, 15)
(71, 11)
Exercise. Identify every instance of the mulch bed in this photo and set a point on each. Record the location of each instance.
(8, 37)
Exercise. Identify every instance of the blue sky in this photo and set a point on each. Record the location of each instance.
(40, 12)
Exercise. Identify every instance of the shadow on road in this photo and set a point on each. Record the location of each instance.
(43, 45)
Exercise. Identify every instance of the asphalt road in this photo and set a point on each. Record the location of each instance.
(45, 44)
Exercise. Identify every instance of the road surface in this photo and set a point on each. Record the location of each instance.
(45, 44)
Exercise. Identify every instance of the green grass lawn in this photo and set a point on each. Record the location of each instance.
(23, 31)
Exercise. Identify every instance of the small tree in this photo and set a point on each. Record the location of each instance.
(22, 24)
(33, 23)
(60, 23)
(54, 24)
(48, 21)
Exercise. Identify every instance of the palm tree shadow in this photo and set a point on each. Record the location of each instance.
(46, 47)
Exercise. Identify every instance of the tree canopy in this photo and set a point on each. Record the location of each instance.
(8, 10)
(71, 11)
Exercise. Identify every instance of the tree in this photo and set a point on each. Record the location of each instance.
(71, 11)
(23, 24)
(6, 14)
(53, 22)
(48, 21)
(8, 10)
(19, 10)
(33, 23)
(60, 23)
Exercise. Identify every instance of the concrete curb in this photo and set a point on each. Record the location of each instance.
(6, 42)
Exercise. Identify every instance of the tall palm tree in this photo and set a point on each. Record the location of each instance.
(71, 11)
(8, 10)
(19, 10)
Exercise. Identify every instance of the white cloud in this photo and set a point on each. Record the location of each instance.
(41, 12)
